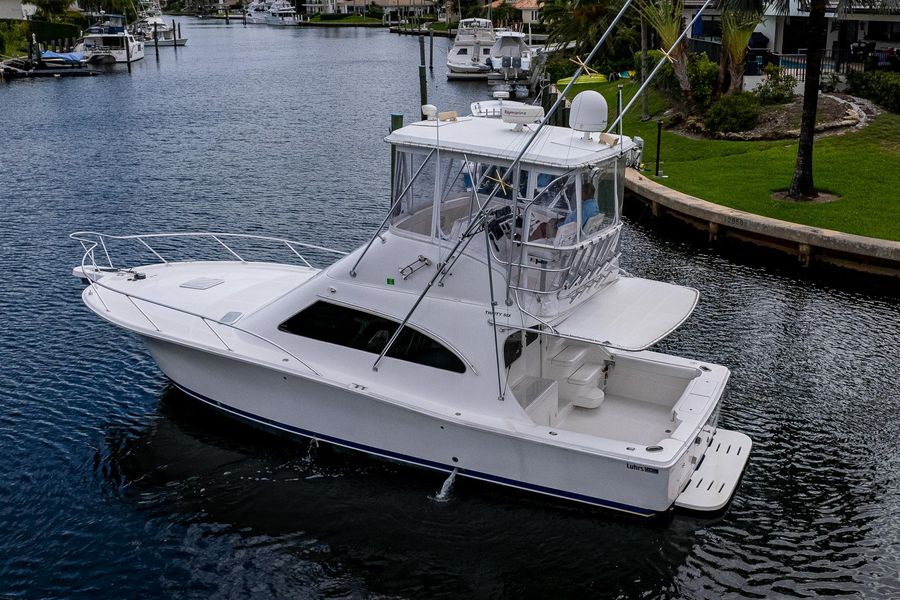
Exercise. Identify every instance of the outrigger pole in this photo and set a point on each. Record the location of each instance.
(658, 66)
(479, 216)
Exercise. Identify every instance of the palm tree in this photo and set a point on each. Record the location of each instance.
(665, 16)
(581, 21)
(737, 27)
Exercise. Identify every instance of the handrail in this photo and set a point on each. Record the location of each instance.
(97, 284)
(94, 239)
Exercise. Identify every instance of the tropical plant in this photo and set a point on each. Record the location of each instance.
(581, 21)
(737, 27)
(778, 86)
(665, 17)
(737, 112)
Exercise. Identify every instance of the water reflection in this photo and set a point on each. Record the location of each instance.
(369, 523)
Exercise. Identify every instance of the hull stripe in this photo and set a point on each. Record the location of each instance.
(421, 461)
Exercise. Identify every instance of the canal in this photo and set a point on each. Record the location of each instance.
(115, 485)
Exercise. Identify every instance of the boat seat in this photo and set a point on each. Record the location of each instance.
(586, 374)
(570, 356)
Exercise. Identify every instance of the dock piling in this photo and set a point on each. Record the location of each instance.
(156, 40)
(396, 123)
(127, 51)
(659, 126)
(176, 33)
(422, 50)
(430, 49)
(227, 10)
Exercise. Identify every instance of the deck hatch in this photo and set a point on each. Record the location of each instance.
(202, 283)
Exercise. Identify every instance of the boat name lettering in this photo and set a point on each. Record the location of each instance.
(634, 467)
(498, 313)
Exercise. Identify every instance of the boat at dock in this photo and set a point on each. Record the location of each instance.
(152, 28)
(470, 54)
(109, 41)
(486, 329)
(510, 56)
(257, 12)
(281, 14)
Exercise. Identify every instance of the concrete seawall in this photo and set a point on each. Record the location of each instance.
(810, 245)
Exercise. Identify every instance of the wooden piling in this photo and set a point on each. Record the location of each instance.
(423, 88)
(227, 22)
(422, 50)
(175, 35)
(430, 49)
(396, 123)
(127, 50)
(156, 40)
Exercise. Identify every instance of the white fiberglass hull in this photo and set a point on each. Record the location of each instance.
(281, 21)
(357, 419)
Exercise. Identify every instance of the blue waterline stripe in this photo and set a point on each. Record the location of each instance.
(420, 461)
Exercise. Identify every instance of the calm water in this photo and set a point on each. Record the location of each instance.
(114, 485)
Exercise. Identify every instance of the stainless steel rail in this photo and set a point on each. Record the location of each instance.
(90, 241)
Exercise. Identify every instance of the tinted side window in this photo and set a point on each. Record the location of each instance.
(370, 333)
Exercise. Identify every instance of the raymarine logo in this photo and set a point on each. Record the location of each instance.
(642, 468)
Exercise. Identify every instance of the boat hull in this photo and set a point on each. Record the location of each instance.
(354, 418)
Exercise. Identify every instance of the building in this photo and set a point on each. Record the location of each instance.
(786, 33)
(529, 10)
(15, 9)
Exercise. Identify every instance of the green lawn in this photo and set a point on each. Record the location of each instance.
(862, 167)
(355, 19)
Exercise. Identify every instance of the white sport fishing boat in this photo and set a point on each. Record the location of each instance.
(485, 330)
(470, 54)
(510, 56)
(152, 28)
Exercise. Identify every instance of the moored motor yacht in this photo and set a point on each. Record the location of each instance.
(470, 54)
(281, 13)
(257, 12)
(486, 329)
(153, 29)
(109, 41)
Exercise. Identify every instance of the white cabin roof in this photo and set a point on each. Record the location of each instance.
(492, 138)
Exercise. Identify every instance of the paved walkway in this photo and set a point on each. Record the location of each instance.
(810, 244)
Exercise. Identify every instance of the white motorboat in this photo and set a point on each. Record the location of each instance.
(510, 56)
(470, 53)
(257, 12)
(281, 13)
(109, 41)
(485, 330)
(153, 29)
(494, 108)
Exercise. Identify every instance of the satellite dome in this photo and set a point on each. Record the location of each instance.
(589, 112)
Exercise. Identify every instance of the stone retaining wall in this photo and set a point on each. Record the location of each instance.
(810, 245)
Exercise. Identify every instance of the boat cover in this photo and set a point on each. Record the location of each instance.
(630, 314)
(72, 58)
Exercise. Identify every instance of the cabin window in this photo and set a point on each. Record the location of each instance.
(486, 51)
(360, 330)
(463, 51)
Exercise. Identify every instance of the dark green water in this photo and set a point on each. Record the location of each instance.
(114, 485)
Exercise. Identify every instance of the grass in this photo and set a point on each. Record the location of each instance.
(354, 19)
(860, 167)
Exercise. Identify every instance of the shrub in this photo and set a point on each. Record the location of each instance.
(704, 77)
(738, 112)
(777, 88)
(881, 87)
(332, 16)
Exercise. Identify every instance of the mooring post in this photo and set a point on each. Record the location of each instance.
(128, 51)
(423, 89)
(244, 11)
(156, 40)
(175, 34)
(396, 123)
(227, 22)
(422, 50)
(658, 143)
(431, 49)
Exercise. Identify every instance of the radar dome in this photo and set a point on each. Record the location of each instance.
(589, 112)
